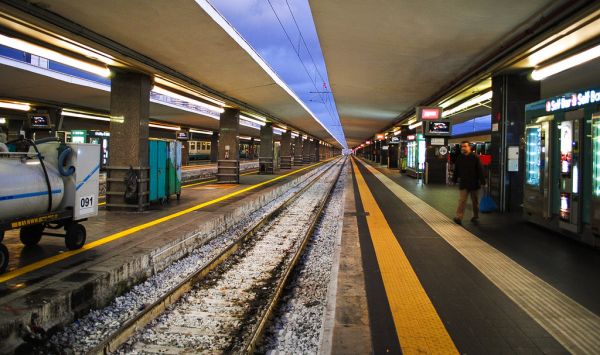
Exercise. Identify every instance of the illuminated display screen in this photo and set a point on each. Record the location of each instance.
(596, 155)
(533, 156)
(40, 121)
(566, 147)
(565, 207)
(411, 161)
(438, 128)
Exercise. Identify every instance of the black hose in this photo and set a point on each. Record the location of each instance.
(47, 139)
(39, 156)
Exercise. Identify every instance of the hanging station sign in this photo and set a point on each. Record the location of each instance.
(182, 135)
(428, 113)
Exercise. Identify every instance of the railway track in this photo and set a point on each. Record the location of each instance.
(224, 306)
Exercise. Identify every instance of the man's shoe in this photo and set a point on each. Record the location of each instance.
(475, 220)
(457, 220)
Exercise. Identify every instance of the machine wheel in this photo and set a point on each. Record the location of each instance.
(75, 237)
(3, 258)
(31, 235)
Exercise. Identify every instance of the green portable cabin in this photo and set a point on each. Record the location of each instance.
(165, 169)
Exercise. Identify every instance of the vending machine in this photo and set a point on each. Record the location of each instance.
(596, 173)
(537, 199)
(570, 177)
(562, 178)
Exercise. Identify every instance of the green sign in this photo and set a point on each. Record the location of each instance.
(79, 133)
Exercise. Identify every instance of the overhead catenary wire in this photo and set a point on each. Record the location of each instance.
(324, 98)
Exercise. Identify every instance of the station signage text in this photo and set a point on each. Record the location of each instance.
(428, 113)
(573, 100)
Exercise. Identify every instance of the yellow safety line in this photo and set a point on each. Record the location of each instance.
(419, 327)
(214, 180)
(198, 183)
(56, 258)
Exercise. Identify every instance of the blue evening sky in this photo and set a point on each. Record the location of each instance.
(301, 66)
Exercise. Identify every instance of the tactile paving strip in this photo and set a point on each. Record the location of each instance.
(572, 325)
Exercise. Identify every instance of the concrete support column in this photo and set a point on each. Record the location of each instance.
(317, 150)
(228, 162)
(251, 149)
(298, 151)
(185, 145)
(129, 131)
(311, 151)
(265, 158)
(214, 147)
(306, 151)
(286, 150)
(510, 94)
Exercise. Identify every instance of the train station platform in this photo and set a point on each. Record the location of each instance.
(124, 248)
(413, 281)
(199, 171)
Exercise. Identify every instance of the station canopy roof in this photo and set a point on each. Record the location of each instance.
(386, 57)
(178, 35)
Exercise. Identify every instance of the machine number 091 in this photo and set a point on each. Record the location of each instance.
(86, 203)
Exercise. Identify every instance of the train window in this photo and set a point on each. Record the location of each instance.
(192, 146)
(207, 145)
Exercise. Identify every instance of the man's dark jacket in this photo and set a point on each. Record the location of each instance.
(469, 172)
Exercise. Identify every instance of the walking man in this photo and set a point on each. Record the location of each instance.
(468, 172)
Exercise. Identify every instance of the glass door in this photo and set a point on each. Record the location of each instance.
(596, 155)
(533, 156)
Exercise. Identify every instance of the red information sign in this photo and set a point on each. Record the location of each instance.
(429, 113)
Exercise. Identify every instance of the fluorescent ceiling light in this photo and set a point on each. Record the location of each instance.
(251, 115)
(161, 81)
(163, 91)
(278, 130)
(415, 125)
(258, 122)
(199, 131)
(468, 104)
(245, 137)
(567, 63)
(245, 123)
(170, 128)
(85, 115)
(294, 135)
(397, 132)
(21, 106)
(53, 55)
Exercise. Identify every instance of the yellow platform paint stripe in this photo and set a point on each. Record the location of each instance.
(214, 180)
(195, 184)
(418, 325)
(56, 258)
